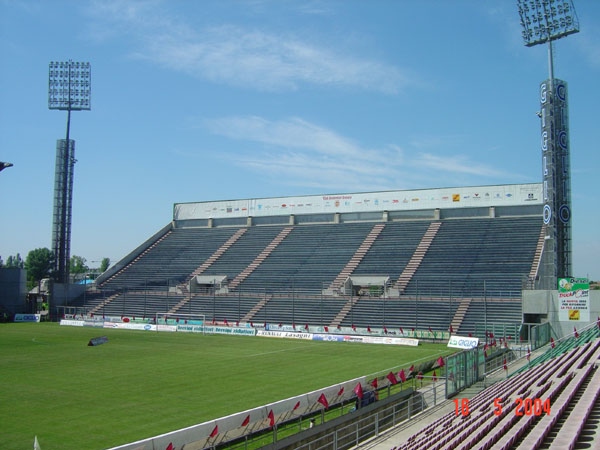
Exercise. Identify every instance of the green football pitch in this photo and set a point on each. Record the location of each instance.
(141, 384)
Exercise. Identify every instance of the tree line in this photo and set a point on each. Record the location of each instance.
(39, 264)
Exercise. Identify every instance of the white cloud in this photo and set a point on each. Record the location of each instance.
(298, 152)
(239, 56)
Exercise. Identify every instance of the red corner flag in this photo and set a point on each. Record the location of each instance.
(358, 391)
(402, 376)
(215, 431)
(271, 418)
(169, 447)
(390, 376)
(374, 383)
(323, 401)
(341, 391)
(440, 361)
(246, 421)
(297, 405)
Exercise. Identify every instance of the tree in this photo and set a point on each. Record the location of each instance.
(15, 262)
(104, 264)
(77, 265)
(39, 264)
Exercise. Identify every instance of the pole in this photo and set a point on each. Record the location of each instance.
(485, 312)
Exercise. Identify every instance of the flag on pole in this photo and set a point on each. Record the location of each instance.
(552, 344)
(390, 376)
(215, 431)
(323, 401)
(434, 377)
(440, 361)
(297, 405)
(374, 383)
(411, 369)
(575, 333)
(358, 391)
(271, 418)
(341, 391)
(402, 376)
(246, 421)
(170, 446)
(36, 444)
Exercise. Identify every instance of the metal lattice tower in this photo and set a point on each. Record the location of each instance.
(69, 88)
(543, 22)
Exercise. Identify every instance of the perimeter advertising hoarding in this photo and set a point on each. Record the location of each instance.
(27, 317)
(464, 197)
(574, 299)
(466, 343)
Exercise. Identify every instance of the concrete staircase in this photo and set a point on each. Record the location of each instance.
(417, 257)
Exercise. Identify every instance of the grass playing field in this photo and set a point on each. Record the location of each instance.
(142, 384)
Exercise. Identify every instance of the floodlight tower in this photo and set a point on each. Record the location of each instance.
(69, 89)
(543, 22)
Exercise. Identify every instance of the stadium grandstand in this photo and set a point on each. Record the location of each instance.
(436, 259)
(422, 264)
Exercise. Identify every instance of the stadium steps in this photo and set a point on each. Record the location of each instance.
(260, 258)
(217, 254)
(356, 258)
(206, 264)
(344, 312)
(248, 317)
(102, 304)
(571, 380)
(460, 313)
(137, 258)
(563, 431)
(417, 257)
(537, 258)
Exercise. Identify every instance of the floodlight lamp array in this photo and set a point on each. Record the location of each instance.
(69, 85)
(547, 20)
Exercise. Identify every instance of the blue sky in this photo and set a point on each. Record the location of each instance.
(217, 100)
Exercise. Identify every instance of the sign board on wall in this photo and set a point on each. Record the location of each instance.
(462, 197)
(574, 299)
